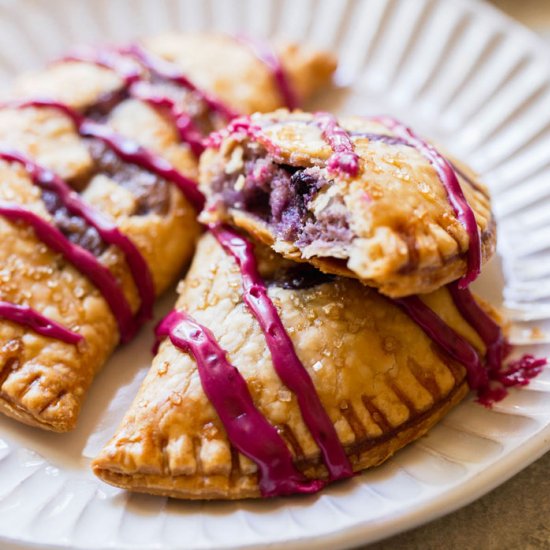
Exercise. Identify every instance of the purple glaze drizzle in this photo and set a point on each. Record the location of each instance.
(229, 394)
(130, 151)
(457, 347)
(518, 372)
(394, 140)
(344, 159)
(489, 332)
(132, 75)
(271, 60)
(83, 260)
(286, 362)
(451, 184)
(125, 68)
(46, 103)
(169, 71)
(187, 130)
(26, 316)
(46, 179)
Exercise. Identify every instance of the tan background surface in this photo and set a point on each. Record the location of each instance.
(516, 516)
(533, 13)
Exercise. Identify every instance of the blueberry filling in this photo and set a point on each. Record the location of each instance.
(73, 227)
(281, 195)
(299, 277)
(152, 196)
(152, 192)
(100, 110)
(289, 199)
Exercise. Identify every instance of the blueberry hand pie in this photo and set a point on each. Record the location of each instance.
(273, 378)
(98, 203)
(363, 198)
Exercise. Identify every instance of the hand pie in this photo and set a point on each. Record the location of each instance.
(274, 378)
(80, 270)
(357, 197)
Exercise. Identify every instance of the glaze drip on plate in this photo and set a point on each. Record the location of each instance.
(489, 377)
(517, 372)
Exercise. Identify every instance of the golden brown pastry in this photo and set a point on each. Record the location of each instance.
(80, 270)
(229, 413)
(354, 197)
(242, 71)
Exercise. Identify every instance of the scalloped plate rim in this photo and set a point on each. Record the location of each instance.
(463, 492)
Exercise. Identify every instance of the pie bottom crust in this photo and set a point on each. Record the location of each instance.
(421, 281)
(23, 416)
(363, 455)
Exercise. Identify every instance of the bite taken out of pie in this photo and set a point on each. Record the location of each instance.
(98, 202)
(273, 378)
(359, 197)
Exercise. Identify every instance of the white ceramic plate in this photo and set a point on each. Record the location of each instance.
(459, 72)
